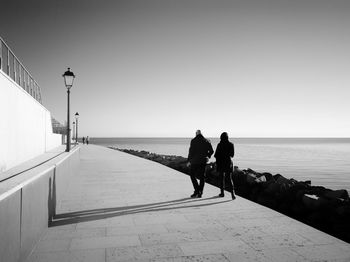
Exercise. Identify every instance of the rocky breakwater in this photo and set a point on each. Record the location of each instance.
(325, 209)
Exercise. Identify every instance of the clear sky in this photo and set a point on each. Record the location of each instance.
(168, 67)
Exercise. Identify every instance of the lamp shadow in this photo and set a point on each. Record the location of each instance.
(103, 213)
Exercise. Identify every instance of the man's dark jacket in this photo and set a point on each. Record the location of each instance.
(200, 150)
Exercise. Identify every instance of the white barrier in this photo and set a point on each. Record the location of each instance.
(25, 126)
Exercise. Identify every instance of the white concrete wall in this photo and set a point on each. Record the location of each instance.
(28, 204)
(25, 126)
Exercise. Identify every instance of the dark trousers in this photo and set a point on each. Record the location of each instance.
(223, 177)
(198, 170)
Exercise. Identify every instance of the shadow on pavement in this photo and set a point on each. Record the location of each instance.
(103, 213)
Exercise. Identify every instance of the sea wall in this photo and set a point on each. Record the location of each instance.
(28, 204)
(325, 209)
(25, 126)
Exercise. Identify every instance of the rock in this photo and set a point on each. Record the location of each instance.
(316, 218)
(337, 194)
(260, 179)
(343, 210)
(268, 176)
(266, 201)
(251, 171)
(251, 178)
(283, 181)
(311, 202)
(273, 188)
(299, 194)
(298, 209)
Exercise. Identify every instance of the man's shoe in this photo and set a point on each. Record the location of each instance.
(199, 195)
(194, 195)
(221, 195)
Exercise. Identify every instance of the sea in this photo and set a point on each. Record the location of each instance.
(324, 161)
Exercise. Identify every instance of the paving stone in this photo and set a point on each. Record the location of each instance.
(205, 258)
(267, 255)
(92, 255)
(76, 233)
(228, 233)
(261, 222)
(104, 242)
(156, 220)
(139, 253)
(52, 245)
(318, 237)
(167, 238)
(325, 252)
(135, 230)
(287, 229)
(93, 223)
(259, 242)
(212, 247)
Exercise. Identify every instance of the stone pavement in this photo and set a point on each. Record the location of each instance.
(124, 208)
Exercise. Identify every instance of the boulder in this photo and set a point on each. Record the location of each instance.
(283, 181)
(260, 179)
(268, 176)
(343, 210)
(337, 194)
(251, 177)
(311, 202)
(273, 188)
(266, 201)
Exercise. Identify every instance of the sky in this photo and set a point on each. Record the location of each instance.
(147, 68)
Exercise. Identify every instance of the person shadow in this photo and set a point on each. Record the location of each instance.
(103, 213)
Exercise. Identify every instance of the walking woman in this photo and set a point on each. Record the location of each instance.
(223, 154)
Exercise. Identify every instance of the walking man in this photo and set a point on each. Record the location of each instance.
(199, 153)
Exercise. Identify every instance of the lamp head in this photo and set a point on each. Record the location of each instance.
(76, 115)
(68, 78)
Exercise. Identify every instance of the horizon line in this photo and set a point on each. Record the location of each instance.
(240, 137)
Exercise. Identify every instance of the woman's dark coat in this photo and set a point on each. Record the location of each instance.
(223, 153)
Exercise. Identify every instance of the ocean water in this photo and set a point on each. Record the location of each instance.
(324, 161)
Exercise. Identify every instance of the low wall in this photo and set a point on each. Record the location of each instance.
(28, 203)
(25, 126)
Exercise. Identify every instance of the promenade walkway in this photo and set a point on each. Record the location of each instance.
(123, 208)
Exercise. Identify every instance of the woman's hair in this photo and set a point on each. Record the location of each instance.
(224, 136)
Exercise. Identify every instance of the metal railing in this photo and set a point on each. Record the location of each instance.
(57, 127)
(12, 67)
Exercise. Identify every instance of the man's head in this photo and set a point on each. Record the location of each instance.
(198, 132)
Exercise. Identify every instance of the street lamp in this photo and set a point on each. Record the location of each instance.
(76, 127)
(68, 81)
(73, 131)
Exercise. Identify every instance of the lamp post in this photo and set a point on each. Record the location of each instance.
(68, 81)
(74, 131)
(76, 127)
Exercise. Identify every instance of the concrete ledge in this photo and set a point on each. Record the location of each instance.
(10, 225)
(28, 202)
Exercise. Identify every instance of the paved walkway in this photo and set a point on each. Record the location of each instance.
(124, 208)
